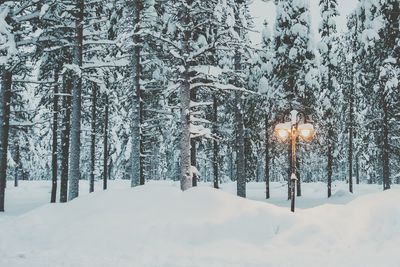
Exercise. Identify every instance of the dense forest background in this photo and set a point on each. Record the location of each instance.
(155, 89)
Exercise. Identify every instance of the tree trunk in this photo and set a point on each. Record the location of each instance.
(105, 143)
(329, 169)
(76, 106)
(185, 170)
(357, 170)
(240, 151)
(298, 181)
(17, 164)
(137, 177)
(193, 150)
(54, 149)
(267, 159)
(5, 101)
(65, 138)
(350, 152)
(193, 161)
(385, 148)
(93, 139)
(290, 169)
(186, 178)
(215, 142)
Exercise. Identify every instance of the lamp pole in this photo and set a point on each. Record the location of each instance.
(293, 177)
(291, 131)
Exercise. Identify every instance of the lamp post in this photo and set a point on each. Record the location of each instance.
(293, 130)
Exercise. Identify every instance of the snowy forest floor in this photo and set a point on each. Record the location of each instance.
(158, 225)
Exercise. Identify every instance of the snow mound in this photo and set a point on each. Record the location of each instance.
(342, 193)
(161, 226)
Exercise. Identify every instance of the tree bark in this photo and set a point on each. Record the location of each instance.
(65, 138)
(17, 164)
(357, 170)
(93, 139)
(290, 169)
(186, 177)
(215, 142)
(385, 148)
(240, 151)
(350, 152)
(105, 143)
(185, 170)
(137, 177)
(54, 149)
(329, 169)
(298, 181)
(5, 101)
(267, 158)
(193, 150)
(76, 106)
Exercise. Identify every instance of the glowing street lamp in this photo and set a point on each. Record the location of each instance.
(291, 130)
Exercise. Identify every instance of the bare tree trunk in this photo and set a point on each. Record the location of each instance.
(240, 151)
(240, 142)
(5, 101)
(350, 152)
(357, 170)
(93, 139)
(215, 142)
(54, 149)
(17, 164)
(267, 158)
(193, 161)
(76, 106)
(105, 143)
(186, 178)
(193, 150)
(65, 138)
(290, 169)
(185, 166)
(385, 148)
(298, 181)
(137, 177)
(329, 169)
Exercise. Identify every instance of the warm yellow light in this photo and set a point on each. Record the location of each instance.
(282, 134)
(306, 131)
(282, 131)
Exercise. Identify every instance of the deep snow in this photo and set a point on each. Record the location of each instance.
(158, 225)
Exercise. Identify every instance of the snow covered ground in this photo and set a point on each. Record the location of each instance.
(158, 225)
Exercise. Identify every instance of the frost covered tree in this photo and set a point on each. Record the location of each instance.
(330, 97)
(295, 69)
(378, 34)
(15, 39)
(265, 87)
(295, 72)
(388, 86)
(192, 33)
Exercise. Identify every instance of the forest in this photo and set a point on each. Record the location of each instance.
(102, 90)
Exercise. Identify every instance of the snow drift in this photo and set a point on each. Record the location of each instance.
(161, 226)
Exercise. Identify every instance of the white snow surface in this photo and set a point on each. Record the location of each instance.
(158, 225)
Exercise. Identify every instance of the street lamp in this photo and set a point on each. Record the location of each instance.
(291, 130)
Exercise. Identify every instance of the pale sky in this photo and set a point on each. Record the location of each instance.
(266, 11)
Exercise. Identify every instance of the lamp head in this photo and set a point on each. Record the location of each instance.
(282, 131)
(306, 131)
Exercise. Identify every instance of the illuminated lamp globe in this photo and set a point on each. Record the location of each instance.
(306, 131)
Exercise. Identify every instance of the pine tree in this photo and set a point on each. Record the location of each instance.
(330, 96)
(270, 94)
(295, 72)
